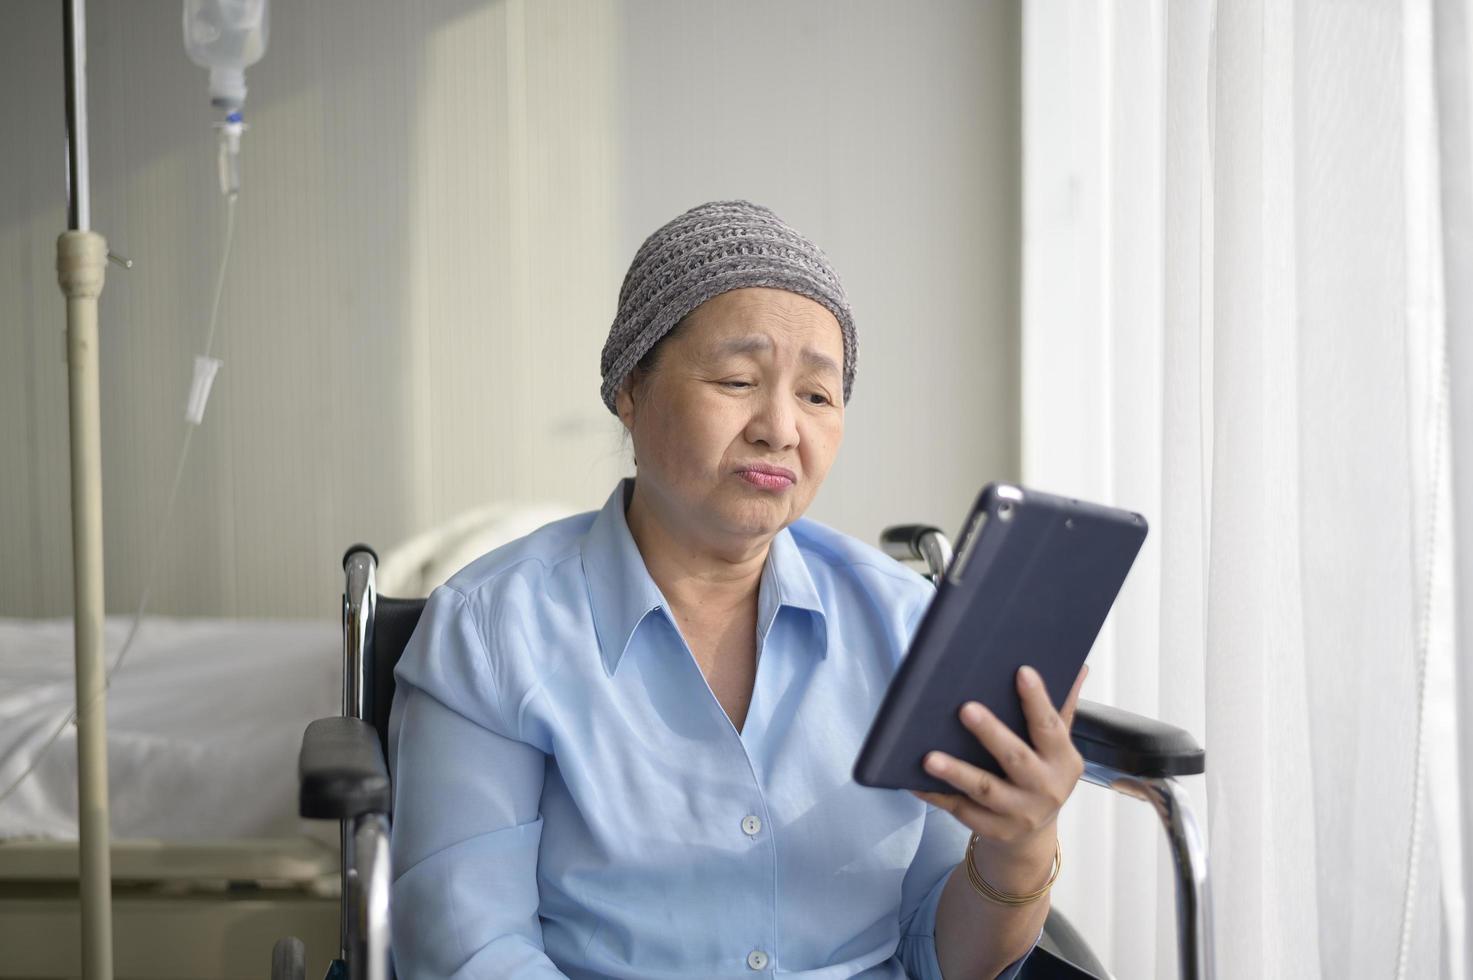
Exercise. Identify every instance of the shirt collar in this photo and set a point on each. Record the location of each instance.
(623, 594)
(787, 582)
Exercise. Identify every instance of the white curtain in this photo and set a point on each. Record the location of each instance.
(1453, 40)
(1234, 321)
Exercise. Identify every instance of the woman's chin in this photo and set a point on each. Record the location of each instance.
(756, 513)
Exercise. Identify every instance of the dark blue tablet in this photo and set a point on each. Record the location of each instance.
(1032, 580)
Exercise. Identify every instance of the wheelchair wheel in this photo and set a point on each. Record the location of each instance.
(289, 959)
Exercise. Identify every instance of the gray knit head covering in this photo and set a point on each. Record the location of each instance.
(703, 253)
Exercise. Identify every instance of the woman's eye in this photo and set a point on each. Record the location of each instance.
(816, 398)
(737, 384)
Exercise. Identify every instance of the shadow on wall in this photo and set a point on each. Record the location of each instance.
(353, 322)
(438, 205)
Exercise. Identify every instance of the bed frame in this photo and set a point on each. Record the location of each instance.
(200, 910)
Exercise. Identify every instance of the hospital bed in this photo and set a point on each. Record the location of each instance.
(344, 778)
(211, 863)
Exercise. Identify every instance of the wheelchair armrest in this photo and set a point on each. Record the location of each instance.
(903, 541)
(342, 770)
(1133, 744)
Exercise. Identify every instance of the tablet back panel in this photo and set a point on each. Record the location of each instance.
(1033, 579)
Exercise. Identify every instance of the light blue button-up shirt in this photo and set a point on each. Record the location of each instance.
(570, 799)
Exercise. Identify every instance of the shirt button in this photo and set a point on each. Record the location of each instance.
(756, 959)
(752, 826)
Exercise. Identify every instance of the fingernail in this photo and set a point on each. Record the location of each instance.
(1030, 676)
(971, 712)
(934, 762)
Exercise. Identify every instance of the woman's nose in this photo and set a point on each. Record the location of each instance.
(773, 424)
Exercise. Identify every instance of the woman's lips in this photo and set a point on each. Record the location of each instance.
(768, 477)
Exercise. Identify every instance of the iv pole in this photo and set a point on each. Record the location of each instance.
(81, 261)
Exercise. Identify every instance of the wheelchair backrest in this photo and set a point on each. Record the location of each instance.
(393, 624)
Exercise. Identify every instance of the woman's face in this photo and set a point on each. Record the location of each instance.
(735, 427)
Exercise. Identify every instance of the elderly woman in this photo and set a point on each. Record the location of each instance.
(622, 745)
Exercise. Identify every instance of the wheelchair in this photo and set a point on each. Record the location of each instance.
(344, 777)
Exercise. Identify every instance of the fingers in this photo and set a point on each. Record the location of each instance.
(1037, 783)
(979, 819)
(1048, 728)
(978, 785)
(1016, 756)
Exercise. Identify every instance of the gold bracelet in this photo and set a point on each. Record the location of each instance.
(987, 891)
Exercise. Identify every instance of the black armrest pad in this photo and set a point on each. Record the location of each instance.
(1133, 744)
(342, 770)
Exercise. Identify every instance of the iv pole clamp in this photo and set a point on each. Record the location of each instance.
(81, 264)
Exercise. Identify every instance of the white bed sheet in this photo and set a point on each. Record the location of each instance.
(205, 720)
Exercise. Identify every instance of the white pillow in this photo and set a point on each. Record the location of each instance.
(414, 568)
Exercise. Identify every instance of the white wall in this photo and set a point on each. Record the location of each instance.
(439, 202)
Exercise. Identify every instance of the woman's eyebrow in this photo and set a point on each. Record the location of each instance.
(758, 343)
(750, 344)
(819, 361)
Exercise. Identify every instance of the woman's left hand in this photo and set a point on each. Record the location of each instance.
(1010, 813)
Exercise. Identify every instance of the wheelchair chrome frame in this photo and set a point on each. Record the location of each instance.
(364, 919)
(1165, 795)
(1189, 855)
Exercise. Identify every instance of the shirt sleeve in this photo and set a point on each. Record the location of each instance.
(466, 825)
(940, 851)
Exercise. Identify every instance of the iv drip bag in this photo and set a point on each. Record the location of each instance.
(225, 36)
